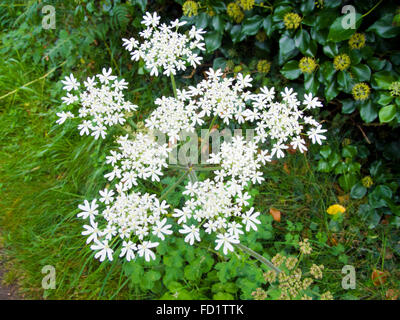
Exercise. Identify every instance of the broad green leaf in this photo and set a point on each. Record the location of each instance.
(338, 32)
(348, 106)
(287, 49)
(384, 27)
(382, 80)
(291, 70)
(387, 113)
(367, 111)
(362, 72)
(251, 25)
(358, 191)
(218, 23)
(213, 40)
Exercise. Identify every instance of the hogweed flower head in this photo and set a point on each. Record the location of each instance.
(102, 103)
(164, 47)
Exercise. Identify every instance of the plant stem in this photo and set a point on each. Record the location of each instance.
(258, 257)
(172, 188)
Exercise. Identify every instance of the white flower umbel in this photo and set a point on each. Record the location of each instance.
(164, 47)
(216, 207)
(102, 103)
(140, 158)
(283, 123)
(239, 161)
(131, 219)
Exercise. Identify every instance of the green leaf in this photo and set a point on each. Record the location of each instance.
(201, 20)
(376, 64)
(378, 197)
(213, 40)
(347, 181)
(325, 151)
(382, 80)
(251, 25)
(291, 70)
(344, 80)
(387, 113)
(362, 72)
(384, 27)
(348, 106)
(302, 41)
(236, 34)
(219, 63)
(267, 25)
(384, 98)
(218, 23)
(311, 83)
(338, 33)
(323, 166)
(331, 91)
(328, 71)
(368, 112)
(331, 49)
(287, 49)
(358, 191)
(349, 151)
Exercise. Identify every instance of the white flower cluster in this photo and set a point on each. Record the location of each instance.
(217, 208)
(215, 96)
(134, 218)
(164, 47)
(283, 122)
(239, 161)
(174, 116)
(142, 158)
(102, 103)
(220, 205)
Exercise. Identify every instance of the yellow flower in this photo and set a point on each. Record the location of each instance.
(247, 4)
(235, 12)
(357, 41)
(190, 8)
(361, 91)
(307, 65)
(335, 209)
(367, 182)
(292, 20)
(395, 88)
(341, 62)
(263, 66)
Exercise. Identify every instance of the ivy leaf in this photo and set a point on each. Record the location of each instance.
(251, 25)
(219, 63)
(311, 83)
(387, 113)
(384, 27)
(213, 40)
(338, 33)
(362, 72)
(331, 49)
(331, 91)
(382, 80)
(236, 34)
(287, 49)
(218, 23)
(291, 70)
(368, 112)
(302, 40)
(141, 3)
(348, 106)
(358, 191)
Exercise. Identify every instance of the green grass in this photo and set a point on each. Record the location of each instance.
(47, 170)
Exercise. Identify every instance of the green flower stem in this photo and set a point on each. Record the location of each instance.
(192, 173)
(258, 257)
(172, 188)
